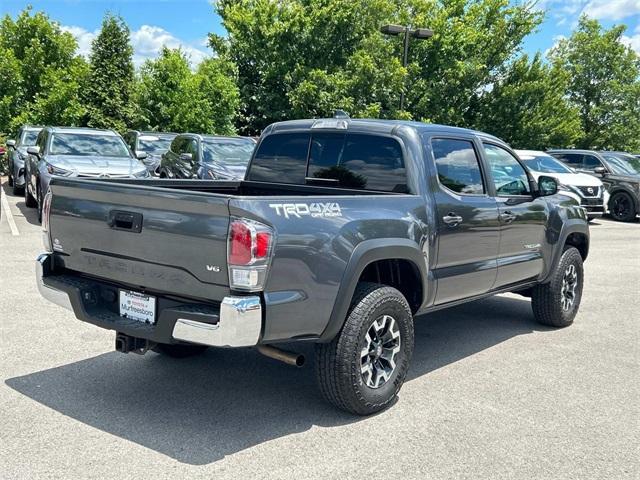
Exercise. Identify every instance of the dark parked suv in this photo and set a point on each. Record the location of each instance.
(207, 157)
(154, 144)
(17, 154)
(619, 172)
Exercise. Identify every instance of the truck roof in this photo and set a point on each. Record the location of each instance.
(379, 126)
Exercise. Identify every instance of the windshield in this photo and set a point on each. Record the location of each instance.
(29, 138)
(545, 164)
(154, 145)
(622, 164)
(88, 144)
(228, 152)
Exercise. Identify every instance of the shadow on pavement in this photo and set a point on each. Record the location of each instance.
(201, 409)
(30, 214)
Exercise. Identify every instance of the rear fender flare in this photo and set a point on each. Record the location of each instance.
(364, 254)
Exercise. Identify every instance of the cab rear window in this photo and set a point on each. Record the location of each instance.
(352, 160)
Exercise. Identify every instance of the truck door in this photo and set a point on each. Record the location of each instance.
(522, 217)
(467, 218)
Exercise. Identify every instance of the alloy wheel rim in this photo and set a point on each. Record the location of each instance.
(569, 286)
(620, 206)
(378, 355)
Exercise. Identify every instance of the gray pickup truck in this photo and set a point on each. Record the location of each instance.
(341, 233)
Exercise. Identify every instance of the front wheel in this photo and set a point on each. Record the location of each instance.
(362, 369)
(556, 303)
(622, 207)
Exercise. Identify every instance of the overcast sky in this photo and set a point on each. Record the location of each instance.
(185, 23)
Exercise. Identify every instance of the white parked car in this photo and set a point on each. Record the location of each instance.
(586, 189)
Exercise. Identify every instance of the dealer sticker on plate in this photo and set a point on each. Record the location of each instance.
(138, 306)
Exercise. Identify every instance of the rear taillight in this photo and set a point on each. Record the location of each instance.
(249, 253)
(46, 233)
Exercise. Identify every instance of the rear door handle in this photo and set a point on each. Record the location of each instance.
(507, 217)
(452, 219)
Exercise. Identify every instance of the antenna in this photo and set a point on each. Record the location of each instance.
(340, 114)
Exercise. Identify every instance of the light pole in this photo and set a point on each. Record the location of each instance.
(419, 33)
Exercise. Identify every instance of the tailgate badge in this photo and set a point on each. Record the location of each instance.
(213, 268)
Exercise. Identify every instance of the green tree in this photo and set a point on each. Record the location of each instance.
(173, 97)
(604, 84)
(33, 50)
(110, 86)
(528, 107)
(308, 57)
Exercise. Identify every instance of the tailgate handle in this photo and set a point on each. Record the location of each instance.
(129, 221)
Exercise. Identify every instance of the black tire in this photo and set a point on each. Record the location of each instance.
(29, 201)
(621, 207)
(179, 350)
(10, 180)
(39, 199)
(549, 300)
(16, 190)
(339, 363)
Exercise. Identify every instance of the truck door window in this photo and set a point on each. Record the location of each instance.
(509, 176)
(281, 158)
(458, 166)
(359, 161)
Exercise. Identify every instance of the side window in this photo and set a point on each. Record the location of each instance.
(176, 144)
(574, 160)
(371, 162)
(281, 158)
(458, 166)
(358, 161)
(130, 140)
(192, 148)
(508, 175)
(41, 141)
(590, 162)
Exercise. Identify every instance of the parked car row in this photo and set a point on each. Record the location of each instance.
(599, 181)
(39, 153)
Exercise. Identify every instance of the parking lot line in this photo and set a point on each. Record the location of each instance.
(5, 207)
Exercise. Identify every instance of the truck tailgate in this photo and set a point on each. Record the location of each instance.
(151, 239)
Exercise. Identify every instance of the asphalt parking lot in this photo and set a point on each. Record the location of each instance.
(491, 394)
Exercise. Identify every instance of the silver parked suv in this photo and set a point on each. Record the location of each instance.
(17, 152)
(77, 152)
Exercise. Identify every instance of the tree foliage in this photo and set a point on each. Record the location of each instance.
(527, 107)
(34, 52)
(604, 84)
(308, 57)
(173, 98)
(108, 93)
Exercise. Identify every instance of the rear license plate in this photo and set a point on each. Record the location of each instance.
(138, 306)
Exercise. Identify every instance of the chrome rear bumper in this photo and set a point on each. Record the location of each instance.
(238, 323)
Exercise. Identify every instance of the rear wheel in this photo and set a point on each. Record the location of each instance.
(622, 207)
(179, 350)
(556, 303)
(29, 201)
(363, 368)
(39, 196)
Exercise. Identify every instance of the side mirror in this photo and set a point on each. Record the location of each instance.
(547, 186)
(186, 157)
(35, 151)
(600, 171)
(11, 143)
(140, 155)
